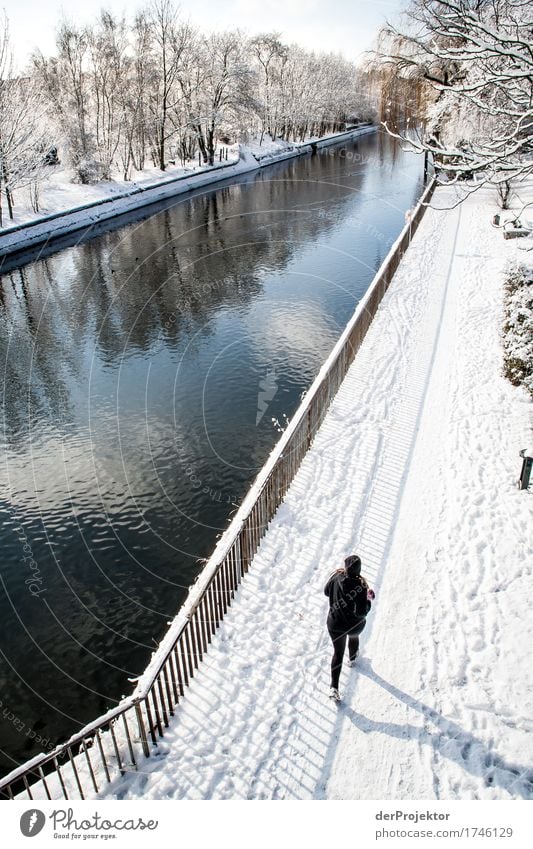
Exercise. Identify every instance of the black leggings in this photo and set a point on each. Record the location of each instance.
(339, 638)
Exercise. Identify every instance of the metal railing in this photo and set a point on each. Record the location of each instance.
(116, 742)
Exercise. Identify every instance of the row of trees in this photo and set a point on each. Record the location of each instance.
(120, 94)
(23, 134)
(465, 69)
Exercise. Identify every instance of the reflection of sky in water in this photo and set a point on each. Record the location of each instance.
(132, 365)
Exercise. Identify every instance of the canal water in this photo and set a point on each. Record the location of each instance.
(145, 376)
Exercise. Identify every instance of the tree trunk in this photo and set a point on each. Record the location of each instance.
(211, 146)
(201, 143)
(9, 197)
(161, 150)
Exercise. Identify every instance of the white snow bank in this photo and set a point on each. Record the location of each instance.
(415, 468)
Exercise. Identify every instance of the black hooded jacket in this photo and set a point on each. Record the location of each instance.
(348, 602)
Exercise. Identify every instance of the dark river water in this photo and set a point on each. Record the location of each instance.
(141, 373)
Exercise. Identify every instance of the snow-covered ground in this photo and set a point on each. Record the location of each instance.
(59, 192)
(414, 468)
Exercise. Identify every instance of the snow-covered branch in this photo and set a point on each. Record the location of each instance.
(476, 57)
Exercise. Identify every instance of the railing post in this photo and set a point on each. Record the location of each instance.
(142, 730)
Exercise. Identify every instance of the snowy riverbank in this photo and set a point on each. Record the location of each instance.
(414, 467)
(73, 207)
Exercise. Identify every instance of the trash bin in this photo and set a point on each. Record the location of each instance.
(527, 464)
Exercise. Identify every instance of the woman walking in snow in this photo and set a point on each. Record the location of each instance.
(350, 599)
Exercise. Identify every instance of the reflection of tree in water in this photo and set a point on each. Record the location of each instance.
(36, 351)
(161, 280)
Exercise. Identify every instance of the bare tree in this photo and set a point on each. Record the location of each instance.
(270, 54)
(65, 80)
(477, 56)
(24, 138)
(169, 43)
(108, 63)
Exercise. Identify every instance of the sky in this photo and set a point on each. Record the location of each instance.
(344, 26)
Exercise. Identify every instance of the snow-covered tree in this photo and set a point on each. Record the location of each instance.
(477, 56)
(66, 84)
(270, 56)
(24, 137)
(119, 92)
(169, 42)
(300, 93)
(108, 66)
(136, 95)
(225, 87)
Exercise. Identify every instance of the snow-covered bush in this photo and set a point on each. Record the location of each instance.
(88, 170)
(518, 327)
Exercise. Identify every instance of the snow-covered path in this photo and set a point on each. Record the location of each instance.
(414, 468)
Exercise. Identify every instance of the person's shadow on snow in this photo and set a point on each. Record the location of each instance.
(449, 740)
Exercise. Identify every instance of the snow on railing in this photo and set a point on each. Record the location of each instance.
(115, 742)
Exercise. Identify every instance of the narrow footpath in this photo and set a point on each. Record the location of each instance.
(414, 468)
